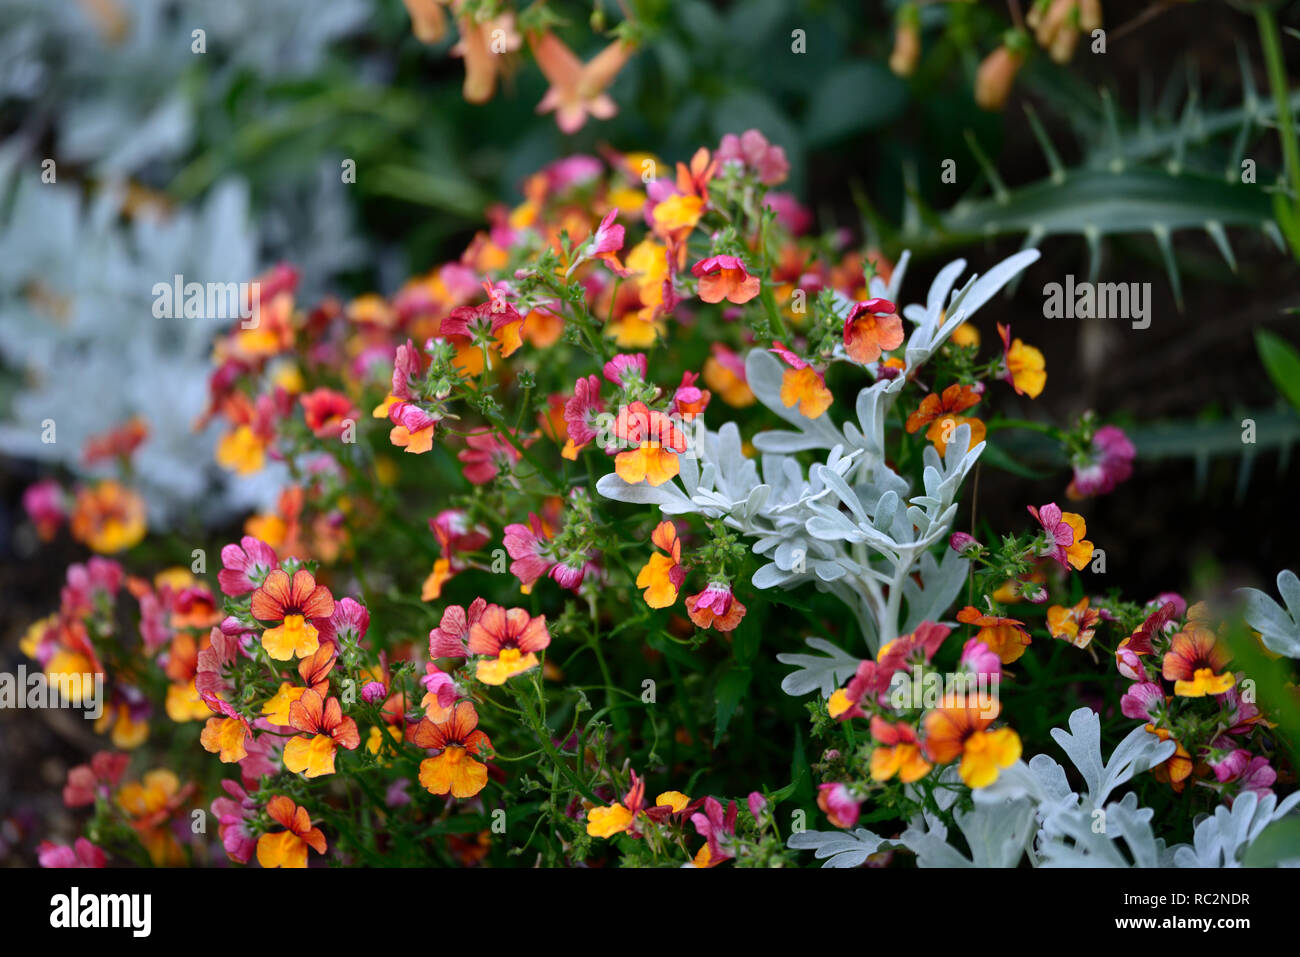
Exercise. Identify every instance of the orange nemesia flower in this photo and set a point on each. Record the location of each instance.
(662, 576)
(293, 604)
(1005, 637)
(454, 769)
(288, 848)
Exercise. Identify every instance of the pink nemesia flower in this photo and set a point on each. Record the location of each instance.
(1259, 776)
(1242, 714)
(791, 213)
(85, 854)
(488, 455)
(349, 623)
(581, 410)
(97, 779)
(752, 150)
(439, 684)
(716, 828)
(246, 566)
(1060, 533)
(1231, 764)
(43, 502)
(838, 804)
(1109, 462)
(606, 242)
(373, 692)
(452, 530)
(233, 815)
(1141, 700)
(529, 546)
(757, 804)
(977, 658)
(483, 320)
(625, 370)
(961, 542)
(690, 400)
(449, 639)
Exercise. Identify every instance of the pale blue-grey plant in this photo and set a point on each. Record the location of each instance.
(1031, 813)
(850, 525)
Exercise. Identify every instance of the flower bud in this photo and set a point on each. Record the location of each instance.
(995, 77)
(964, 544)
(907, 43)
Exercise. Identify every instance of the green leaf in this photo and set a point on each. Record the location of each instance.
(1278, 842)
(853, 98)
(731, 688)
(999, 459)
(1283, 364)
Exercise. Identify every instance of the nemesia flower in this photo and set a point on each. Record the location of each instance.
(663, 574)
(725, 277)
(577, 89)
(108, 517)
(964, 544)
(625, 370)
(802, 385)
(440, 692)
(1005, 637)
(454, 769)
(870, 681)
(718, 829)
(43, 502)
(328, 413)
(233, 814)
(715, 607)
(1258, 776)
(1065, 531)
(288, 848)
(1076, 625)
(99, 778)
(225, 734)
(511, 639)
(294, 605)
(1196, 663)
(483, 321)
(348, 623)
(451, 637)
(605, 243)
(978, 658)
(323, 728)
(899, 752)
(752, 151)
(82, 853)
(1141, 700)
(487, 456)
(119, 442)
(620, 817)
(959, 728)
(838, 804)
(149, 805)
(940, 412)
(724, 372)
(872, 329)
(1178, 767)
(582, 409)
(657, 443)
(529, 547)
(1023, 366)
(1109, 464)
(245, 566)
(689, 400)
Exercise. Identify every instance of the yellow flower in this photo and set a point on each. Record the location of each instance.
(295, 636)
(241, 451)
(608, 821)
(985, 753)
(276, 708)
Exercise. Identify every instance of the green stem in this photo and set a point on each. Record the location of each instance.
(1272, 44)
